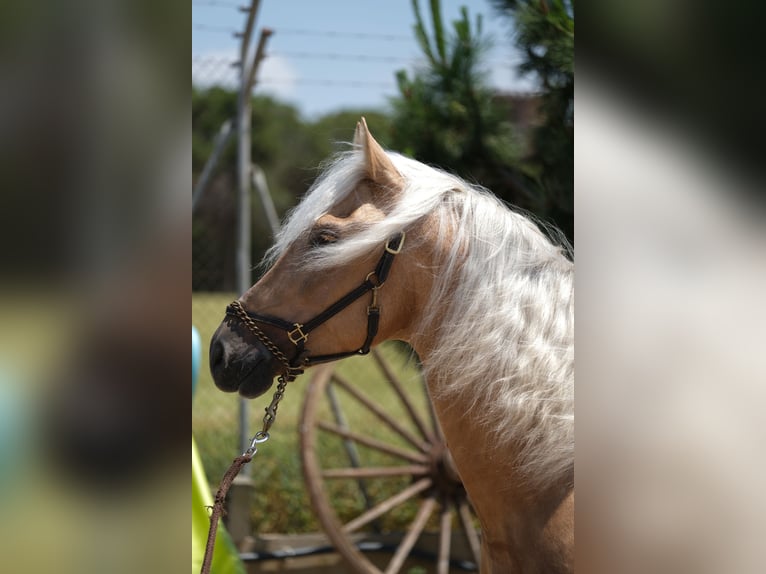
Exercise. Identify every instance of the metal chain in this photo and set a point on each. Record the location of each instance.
(268, 419)
(263, 338)
(259, 438)
(271, 411)
(220, 497)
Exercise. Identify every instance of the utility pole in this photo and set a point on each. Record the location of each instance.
(248, 66)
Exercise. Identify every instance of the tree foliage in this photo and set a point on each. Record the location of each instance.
(544, 33)
(447, 115)
(288, 148)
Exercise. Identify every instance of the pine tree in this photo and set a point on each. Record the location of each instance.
(544, 33)
(446, 113)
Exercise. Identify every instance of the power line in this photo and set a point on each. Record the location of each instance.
(341, 34)
(366, 57)
(307, 32)
(327, 82)
(339, 56)
(216, 3)
(215, 29)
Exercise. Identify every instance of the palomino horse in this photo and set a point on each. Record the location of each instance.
(484, 298)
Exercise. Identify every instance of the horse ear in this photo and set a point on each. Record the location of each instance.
(378, 165)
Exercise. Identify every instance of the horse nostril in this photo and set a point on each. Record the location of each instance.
(216, 356)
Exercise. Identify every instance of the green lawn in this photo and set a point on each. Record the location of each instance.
(281, 503)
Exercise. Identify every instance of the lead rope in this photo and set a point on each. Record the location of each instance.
(220, 496)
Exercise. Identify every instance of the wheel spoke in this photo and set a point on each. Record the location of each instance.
(348, 445)
(405, 445)
(412, 536)
(340, 419)
(382, 415)
(445, 539)
(470, 532)
(393, 380)
(373, 443)
(376, 472)
(387, 505)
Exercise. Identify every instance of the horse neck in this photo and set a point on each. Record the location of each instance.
(515, 514)
(524, 529)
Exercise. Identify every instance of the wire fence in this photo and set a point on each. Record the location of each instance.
(223, 71)
(214, 240)
(210, 70)
(216, 416)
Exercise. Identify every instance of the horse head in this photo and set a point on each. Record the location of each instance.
(322, 297)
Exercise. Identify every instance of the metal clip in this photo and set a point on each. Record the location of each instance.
(259, 438)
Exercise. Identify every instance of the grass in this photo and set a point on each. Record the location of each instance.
(281, 503)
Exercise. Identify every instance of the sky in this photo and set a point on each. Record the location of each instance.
(327, 55)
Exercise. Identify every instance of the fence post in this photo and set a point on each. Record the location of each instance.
(262, 187)
(248, 71)
(219, 144)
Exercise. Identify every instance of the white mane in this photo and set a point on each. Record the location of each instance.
(506, 340)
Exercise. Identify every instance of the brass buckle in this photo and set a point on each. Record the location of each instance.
(374, 303)
(299, 337)
(396, 251)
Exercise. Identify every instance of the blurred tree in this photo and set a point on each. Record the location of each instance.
(281, 142)
(338, 128)
(284, 149)
(544, 33)
(287, 148)
(446, 113)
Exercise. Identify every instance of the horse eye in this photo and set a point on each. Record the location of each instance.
(323, 237)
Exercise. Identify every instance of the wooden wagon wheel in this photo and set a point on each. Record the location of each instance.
(361, 484)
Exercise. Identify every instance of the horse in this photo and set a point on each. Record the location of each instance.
(384, 247)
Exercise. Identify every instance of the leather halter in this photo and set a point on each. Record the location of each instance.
(298, 333)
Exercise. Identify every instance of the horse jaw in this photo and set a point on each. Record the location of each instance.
(378, 165)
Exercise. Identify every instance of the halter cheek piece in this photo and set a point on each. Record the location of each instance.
(299, 333)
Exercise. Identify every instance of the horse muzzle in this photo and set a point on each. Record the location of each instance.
(239, 363)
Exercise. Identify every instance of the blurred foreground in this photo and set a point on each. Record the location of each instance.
(95, 262)
(670, 334)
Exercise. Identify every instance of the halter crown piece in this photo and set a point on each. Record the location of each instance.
(298, 333)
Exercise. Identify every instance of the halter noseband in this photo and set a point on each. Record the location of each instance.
(299, 333)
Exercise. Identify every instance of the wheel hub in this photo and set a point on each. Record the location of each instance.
(447, 482)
